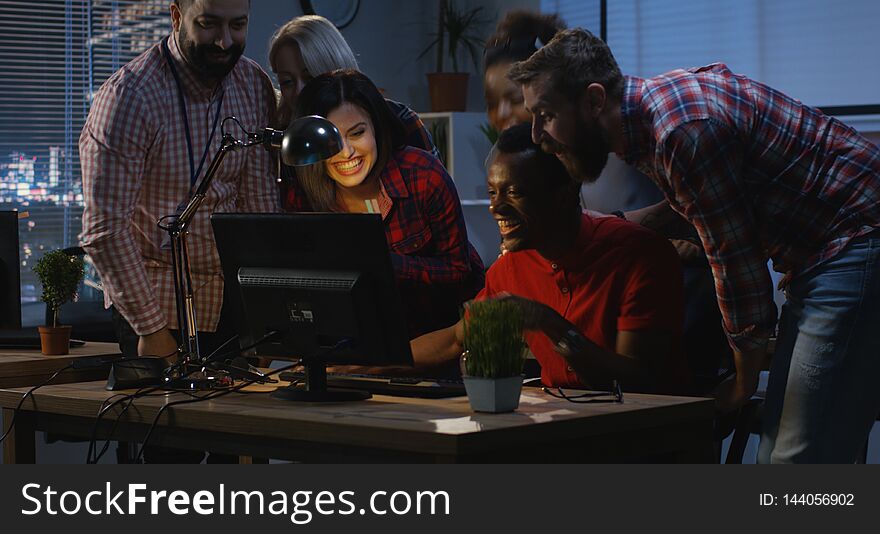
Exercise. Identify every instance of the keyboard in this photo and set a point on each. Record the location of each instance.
(424, 388)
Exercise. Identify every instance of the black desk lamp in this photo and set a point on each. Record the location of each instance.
(306, 141)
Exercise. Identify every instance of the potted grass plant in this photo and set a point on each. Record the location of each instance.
(60, 275)
(494, 355)
(457, 34)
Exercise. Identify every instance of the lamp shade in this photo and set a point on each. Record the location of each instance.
(309, 140)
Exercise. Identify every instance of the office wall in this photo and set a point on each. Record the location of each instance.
(387, 36)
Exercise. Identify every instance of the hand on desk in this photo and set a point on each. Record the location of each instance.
(160, 343)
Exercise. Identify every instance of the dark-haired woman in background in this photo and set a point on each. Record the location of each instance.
(519, 34)
(436, 267)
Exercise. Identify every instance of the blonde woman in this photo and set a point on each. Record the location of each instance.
(311, 45)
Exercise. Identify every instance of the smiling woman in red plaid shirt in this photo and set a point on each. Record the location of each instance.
(437, 269)
(760, 175)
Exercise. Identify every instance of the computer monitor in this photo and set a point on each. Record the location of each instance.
(323, 282)
(10, 281)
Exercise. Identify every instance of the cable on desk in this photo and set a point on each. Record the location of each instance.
(216, 394)
(209, 396)
(92, 456)
(29, 393)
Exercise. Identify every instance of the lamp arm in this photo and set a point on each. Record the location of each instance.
(177, 232)
(296, 140)
(227, 144)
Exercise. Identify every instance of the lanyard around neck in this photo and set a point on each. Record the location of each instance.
(194, 173)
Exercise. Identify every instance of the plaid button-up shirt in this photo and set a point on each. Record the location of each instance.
(436, 267)
(416, 133)
(136, 169)
(759, 174)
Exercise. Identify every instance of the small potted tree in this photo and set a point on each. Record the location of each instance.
(494, 355)
(60, 275)
(457, 33)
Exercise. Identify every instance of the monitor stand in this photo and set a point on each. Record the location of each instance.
(315, 388)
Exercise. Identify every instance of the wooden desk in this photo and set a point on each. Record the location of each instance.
(23, 367)
(384, 429)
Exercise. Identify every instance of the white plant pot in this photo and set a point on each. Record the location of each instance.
(494, 395)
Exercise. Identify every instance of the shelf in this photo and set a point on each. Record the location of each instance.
(466, 148)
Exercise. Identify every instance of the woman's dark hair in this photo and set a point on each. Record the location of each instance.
(519, 34)
(321, 96)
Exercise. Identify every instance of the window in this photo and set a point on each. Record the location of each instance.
(576, 13)
(54, 55)
(813, 50)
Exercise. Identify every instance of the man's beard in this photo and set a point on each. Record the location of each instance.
(587, 156)
(199, 57)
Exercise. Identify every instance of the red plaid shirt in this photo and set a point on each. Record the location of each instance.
(759, 174)
(135, 169)
(416, 133)
(436, 267)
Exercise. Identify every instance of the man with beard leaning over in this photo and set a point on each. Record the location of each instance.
(760, 175)
(150, 136)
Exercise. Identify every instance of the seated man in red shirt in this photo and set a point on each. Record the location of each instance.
(602, 297)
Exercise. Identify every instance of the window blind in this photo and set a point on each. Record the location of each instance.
(54, 55)
(817, 51)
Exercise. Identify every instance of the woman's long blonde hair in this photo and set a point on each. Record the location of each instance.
(323, 50)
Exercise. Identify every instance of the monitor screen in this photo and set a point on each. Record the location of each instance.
(10, 288)
(322, 282)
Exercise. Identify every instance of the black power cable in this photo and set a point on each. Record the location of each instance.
(209, 396)
(92, 456)
(216, 394)
(29, 393)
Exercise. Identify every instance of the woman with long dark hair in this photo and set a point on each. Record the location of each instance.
(437, 269)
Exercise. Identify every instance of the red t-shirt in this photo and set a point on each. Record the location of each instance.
(617, 276)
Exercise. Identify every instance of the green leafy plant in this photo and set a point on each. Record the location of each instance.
(493, 339)
(490, 132)
(60, 275)
(457, 32)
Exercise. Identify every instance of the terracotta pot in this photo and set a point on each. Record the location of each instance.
(54, 340)
(448, 90)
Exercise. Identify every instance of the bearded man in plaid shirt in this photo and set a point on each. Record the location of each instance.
(151, 134)
(760, 176)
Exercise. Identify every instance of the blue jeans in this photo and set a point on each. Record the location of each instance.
(823, 394)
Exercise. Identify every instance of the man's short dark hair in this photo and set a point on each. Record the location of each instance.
(186, 4)
(518, 140)
(574, 59)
